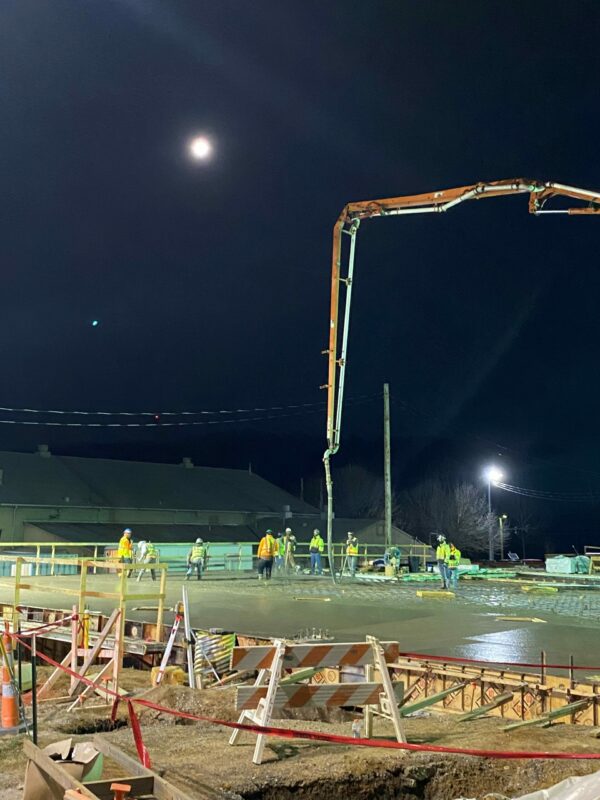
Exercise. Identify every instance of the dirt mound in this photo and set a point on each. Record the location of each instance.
(219, 703)
(216, 703)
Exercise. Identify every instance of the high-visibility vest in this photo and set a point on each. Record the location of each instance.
(267, 547)
(125, 547)
(198, 551)
(317, 545)
(453, 559)
(352, 549)
(281, 544)
(151, 551)
(442, 551)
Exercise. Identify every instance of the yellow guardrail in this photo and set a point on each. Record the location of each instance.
(231, 561)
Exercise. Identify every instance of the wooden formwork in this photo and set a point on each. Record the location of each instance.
(83, 567)
(471, 691)
(524, 696)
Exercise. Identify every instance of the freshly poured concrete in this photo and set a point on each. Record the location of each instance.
(471, 625)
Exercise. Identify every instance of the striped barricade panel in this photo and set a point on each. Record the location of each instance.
(355, 654)
(302, 696)
(212, 651)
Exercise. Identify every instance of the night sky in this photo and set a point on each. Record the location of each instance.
(210, 281)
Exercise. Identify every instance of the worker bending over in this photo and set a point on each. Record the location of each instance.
(452, 562)
(316, 548)
(352, 553)
(147, 555)
(441, 554)
(195, 559)
(267, 550)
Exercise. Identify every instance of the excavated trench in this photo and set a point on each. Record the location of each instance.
(436, 779)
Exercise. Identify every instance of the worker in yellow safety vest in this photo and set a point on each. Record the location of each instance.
(352, 553)
(316, 548)
(267, 550)
(452, 562)
(150, 556)
(280, 554)
(125, 549)
(195, 559)
(441, 555)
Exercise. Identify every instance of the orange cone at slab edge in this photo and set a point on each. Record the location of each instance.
(8, 649)
(10, 709)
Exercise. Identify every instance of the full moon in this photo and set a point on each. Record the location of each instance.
(200, 148)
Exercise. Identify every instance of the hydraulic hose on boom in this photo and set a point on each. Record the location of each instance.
(433, 202)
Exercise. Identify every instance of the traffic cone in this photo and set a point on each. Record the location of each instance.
(9, 713)
(8, 650)
(10, 707)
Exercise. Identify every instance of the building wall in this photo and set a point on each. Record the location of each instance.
(15, 519)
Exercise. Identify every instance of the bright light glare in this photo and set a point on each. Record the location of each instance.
(200, 148)
(493, 474)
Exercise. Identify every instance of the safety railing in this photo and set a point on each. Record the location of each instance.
(54, 558)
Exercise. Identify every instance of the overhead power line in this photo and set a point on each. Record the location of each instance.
(591, 496)
(301, 409)
(65, 412)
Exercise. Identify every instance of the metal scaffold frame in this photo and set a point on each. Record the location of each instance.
(348, 223)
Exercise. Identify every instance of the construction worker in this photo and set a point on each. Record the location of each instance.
(316, 548)
(352, 553)
(452, 562)
(267, 550)
(125, 549)
(290, 546)
(148, 556)
(195, 559)
(280, 554)
(441, 554)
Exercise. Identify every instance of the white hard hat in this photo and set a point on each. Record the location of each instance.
(441, 538)
(198, 541)
(288, 530)
(127, 530)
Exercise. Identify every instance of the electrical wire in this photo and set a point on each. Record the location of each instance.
(305, 409)
(65, 412)
(591, 496)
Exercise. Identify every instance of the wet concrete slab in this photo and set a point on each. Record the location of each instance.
(471, 625)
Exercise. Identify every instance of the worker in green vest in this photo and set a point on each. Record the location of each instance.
(452, 562)
(441, 556)
(280, 554)
(195, 559)
(316, 548)
(150, 556)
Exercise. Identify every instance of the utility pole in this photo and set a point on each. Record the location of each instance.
(387, 467)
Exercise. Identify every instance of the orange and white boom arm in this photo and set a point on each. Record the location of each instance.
(431, 202)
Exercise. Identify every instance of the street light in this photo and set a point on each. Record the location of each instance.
(493, 475)
(200, 148)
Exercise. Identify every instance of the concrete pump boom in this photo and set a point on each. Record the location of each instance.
(432, 202)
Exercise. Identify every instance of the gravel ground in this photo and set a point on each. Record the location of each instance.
(193, 755)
